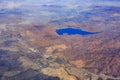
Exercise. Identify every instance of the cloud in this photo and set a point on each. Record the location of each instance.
(13, 5)
(10, 5)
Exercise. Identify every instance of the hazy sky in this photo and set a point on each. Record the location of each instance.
(17, 3)
(31, 9)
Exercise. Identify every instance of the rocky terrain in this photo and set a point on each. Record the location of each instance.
(53, 57)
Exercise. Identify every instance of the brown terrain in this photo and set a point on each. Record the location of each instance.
(30, 50)
(39, 50)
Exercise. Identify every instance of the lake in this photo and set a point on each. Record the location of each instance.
(73, 31)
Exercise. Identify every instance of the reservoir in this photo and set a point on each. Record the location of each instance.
(73, 31)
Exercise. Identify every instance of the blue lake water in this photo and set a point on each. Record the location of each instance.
(73, 31)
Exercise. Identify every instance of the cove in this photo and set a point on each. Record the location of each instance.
(73, 31)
